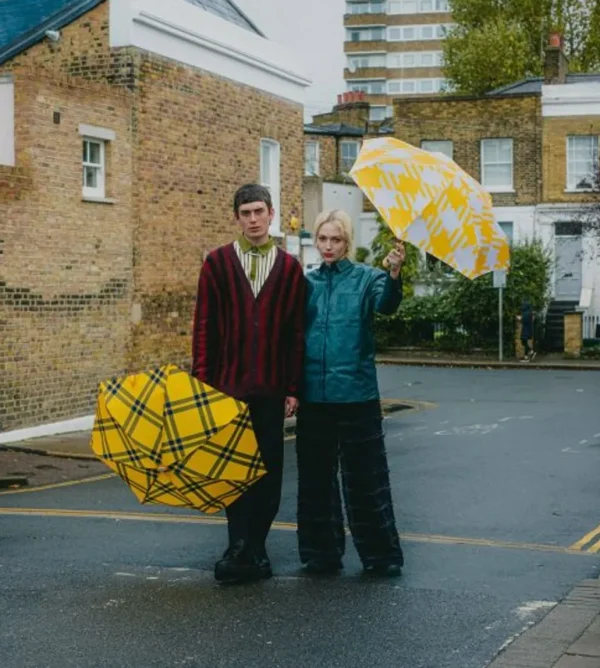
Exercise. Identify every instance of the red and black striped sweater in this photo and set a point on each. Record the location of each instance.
(247, 346)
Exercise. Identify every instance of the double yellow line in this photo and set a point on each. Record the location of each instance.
(589, 543)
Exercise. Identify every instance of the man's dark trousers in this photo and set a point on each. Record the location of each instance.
(250, 517)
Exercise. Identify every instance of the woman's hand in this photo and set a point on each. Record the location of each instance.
(395, 259)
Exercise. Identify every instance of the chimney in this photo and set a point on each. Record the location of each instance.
(556, 64)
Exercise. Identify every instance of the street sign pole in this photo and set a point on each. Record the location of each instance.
(500, 320)
(499, 280)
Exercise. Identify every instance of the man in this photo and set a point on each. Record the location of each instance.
(248, 342)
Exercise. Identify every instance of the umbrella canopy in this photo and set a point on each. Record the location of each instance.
(429, 201)
(175, 440)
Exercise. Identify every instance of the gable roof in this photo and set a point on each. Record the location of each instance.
(23, 23)
(334, 130)
(228, 10)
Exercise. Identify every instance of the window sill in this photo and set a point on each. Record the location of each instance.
(500, 190)
(98, 200)
(581, 191)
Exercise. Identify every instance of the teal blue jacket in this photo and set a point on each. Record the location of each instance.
(342, 298)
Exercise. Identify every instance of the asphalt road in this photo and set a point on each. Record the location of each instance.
(495, 487)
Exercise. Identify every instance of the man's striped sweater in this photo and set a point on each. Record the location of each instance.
(249, 346)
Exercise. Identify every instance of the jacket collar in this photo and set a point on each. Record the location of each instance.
(339, 267)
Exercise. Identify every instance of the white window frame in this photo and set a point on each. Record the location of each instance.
(98, 191)
(505, 187)
(402, 60)
(343, 165)
(438, 31)
(445, 146)
(418, 7)
(573, 178)
(7, 121)
(272, 181)
(377, 113)
(97, 135)
(314, 160)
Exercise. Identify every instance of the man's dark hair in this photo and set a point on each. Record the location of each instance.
(249, 193)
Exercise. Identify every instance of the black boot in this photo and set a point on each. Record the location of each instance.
(238, 564)
(264, 563)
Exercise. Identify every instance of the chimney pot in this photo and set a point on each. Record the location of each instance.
(339, 98)
(555, 39)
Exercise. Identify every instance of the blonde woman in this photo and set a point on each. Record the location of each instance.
(339, 421)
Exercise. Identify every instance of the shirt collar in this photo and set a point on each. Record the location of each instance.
(246, 246)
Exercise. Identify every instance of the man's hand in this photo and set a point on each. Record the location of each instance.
(291, 406)
(395, 259)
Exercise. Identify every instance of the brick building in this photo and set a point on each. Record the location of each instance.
(394, 48)
(125, 128)
(534, 145)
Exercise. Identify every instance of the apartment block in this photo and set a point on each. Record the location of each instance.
(394, 49)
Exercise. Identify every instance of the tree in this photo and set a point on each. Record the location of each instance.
(497, 42)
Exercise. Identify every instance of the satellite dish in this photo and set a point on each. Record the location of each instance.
(352, 67)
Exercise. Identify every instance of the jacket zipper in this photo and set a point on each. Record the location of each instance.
(323, 376)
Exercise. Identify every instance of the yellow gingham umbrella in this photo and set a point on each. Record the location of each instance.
(429, 201)
(175, 440)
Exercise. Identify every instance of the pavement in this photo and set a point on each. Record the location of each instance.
(495, 481)
(404, 357)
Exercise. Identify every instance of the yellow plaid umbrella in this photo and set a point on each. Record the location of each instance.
(428, 200)
(175, 440)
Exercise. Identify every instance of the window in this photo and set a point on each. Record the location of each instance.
(349, 153)
(7, 121)
(412, 59)
(368, 87)
(497, 164)
(93, 168)
(311, 158)
(95, 141)
(355, 36)
(419, 32)
(439, 146)
(582, 162)
(355, 63)
(427, 85)
(270, 177)
(365, 8)
(507, 228)
(418, 6)
(377, 114)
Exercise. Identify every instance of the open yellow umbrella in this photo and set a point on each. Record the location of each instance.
(429, 201)
(175, 440)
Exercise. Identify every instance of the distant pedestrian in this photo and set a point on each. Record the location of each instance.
(339, 419)
(248, 342)
(526, 318)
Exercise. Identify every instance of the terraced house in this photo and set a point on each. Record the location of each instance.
(394, 49)
(534, 145)
(125, 128)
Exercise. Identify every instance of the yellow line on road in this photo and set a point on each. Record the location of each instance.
(590, 537)
(59, 485)
(280, 526)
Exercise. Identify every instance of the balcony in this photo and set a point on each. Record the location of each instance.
(352, 20)
(366, 73)
(365, 46)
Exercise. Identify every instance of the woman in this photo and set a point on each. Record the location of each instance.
(527, 318)
(340, 416)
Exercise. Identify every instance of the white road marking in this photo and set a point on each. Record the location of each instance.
(125, 575)
(531, 607)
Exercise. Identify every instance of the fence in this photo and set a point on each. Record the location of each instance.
(591, 327)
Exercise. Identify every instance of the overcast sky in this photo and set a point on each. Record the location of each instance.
(314, 31)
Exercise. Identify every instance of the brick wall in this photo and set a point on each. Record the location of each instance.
(205, 133)
(466, 121)
(90, 290)
(556, 131)
(66, 275)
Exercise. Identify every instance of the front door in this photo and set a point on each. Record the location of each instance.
(569, 251)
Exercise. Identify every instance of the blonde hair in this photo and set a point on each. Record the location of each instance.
(343, 222)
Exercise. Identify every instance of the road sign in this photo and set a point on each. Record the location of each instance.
(499, 278)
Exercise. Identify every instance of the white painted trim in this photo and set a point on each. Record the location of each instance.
(7, 122)
(579, 99)
(189, 34)
(94, 132)
(78, 424)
